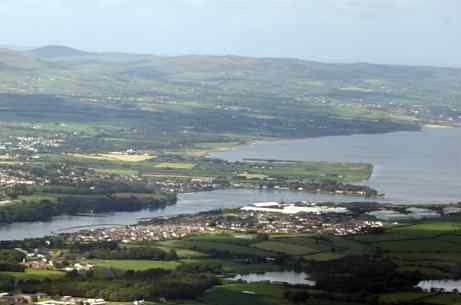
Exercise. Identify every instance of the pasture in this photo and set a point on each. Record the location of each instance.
(137, 265)
(33, 274)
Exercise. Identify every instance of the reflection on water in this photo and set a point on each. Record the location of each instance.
(445, 285)
(410, 214)
(409, 167)
(289, 277)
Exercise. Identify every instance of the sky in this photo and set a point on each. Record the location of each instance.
(409, 32)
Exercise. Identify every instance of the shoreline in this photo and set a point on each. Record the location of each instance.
(380, 202)
(270, 140)
(438, 126)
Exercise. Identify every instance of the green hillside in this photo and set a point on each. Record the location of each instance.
(208, 99)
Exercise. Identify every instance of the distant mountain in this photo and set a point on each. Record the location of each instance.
(11, 59)
(246, 83)
(57, 51)
(15, 47)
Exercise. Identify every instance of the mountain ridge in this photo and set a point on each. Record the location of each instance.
(52, 51)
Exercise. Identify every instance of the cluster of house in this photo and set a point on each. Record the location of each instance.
(11, 177)
(187, 185)
(29, 144)
(63, 174)
(41, 259)
(126, 234)
(350, 228)
(70, 175)
(38, 259)
(301, 222)
(262, 218)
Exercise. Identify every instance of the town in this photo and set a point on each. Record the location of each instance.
(318, 219)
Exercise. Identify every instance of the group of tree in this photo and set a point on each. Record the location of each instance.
(73, 204)
(10, 260)
(133, 253)
(150, 285)
(366, 274)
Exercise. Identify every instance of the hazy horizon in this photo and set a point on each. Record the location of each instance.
(401, 32)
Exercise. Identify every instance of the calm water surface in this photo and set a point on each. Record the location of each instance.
(289, 277)
(410, 167)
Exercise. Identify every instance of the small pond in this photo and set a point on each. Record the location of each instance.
(289, 277)
(445, 285)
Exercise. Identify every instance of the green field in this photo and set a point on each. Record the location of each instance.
(230, 238)
(429, 246)
(207, 246)
(285, 247)
(226, 254)
(117, 171)
(233, 267)
(114, 157)
(35, 198)
(175, 165)
(418, 298)
(34, 274)
(231, 294)
(137, 265)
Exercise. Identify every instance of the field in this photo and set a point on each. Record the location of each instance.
(286, 247)
(175, 165)
(226, 254)
(114, 157)
(137, 265)
(418, 298)
(245, 294)
(36, 198)
(255, 170)
(257, 294)
(251, 171)
(207, 246)
(429, 246)
(231, 267)
(184, 253)
(34, 274)
(117, 171)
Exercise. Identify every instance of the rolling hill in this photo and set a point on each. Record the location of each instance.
(202, 98)
(53, 51)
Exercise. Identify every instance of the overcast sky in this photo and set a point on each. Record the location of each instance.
(381, 31)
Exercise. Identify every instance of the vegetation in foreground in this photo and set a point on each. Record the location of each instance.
(359, 269)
